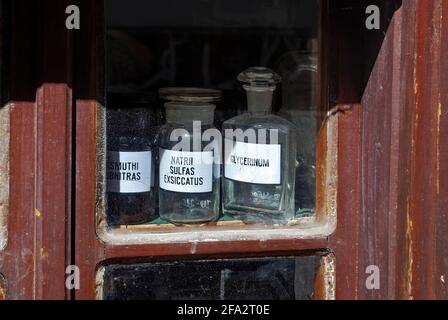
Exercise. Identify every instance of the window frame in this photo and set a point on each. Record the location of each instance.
(384, 153)
(95, 246)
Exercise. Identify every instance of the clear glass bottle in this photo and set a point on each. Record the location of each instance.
(259, 156)
(131, 127)
(189, 166)
(298, 70)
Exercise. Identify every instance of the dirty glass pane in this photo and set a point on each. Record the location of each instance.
(285, 278)
(204, 44)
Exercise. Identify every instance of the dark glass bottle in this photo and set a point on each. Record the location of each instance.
(131, 126)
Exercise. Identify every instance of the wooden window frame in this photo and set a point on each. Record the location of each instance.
(386, 88)
(38, 97)
(96, 247)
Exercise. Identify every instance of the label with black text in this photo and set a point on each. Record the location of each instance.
(187, 172)
(254, 163)
(129, 172)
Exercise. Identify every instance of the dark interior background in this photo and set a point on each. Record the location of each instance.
(153, 44)
(198, 43)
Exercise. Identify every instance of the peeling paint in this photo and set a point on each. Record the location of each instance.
(329, 265)
(142, 236)
(37, 213)
(415, 75)
(410, 263)
(3, 291)
(194, 247)
(4, 174)
(43, 254)
(99, 283)
(439, 115)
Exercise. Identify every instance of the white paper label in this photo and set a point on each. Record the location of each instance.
(253, 163)
(129, 172)
(187, 172)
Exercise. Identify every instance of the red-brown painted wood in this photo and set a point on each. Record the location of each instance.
(402, 220)
(52, 200)
(441, 247)
(377, 169)
(35, 259)
(392, 192)
(54, 121)
(17, 261)
(345, 242)
(424, 213)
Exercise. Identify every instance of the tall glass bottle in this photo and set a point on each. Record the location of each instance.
(298, 70)
(259, 156)
(189, 157)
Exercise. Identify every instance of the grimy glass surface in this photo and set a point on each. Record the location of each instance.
(131, 125)
(284, 278)
(206, 44)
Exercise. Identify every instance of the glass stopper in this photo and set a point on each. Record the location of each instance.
(259, 77)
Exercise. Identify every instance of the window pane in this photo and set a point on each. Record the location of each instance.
(287, 278)
(205, 44)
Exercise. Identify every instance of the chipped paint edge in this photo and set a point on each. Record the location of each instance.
(4, 174)
(331, 161)
(99, 283)
(3, 288)
(329, 276)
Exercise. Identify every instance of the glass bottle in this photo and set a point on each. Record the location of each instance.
(189, 158)
(131, 127)
(259, 156)
(298, 70)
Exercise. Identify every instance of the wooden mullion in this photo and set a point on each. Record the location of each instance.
(54, 118)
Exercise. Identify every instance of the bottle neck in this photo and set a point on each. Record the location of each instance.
(259, 99)
(186, 114)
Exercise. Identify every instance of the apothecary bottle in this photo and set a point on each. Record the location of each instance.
(131, 128)
(259, 156)
(189, 157)
(298, 70)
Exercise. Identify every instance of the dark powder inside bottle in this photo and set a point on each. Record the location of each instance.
(132, 121)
